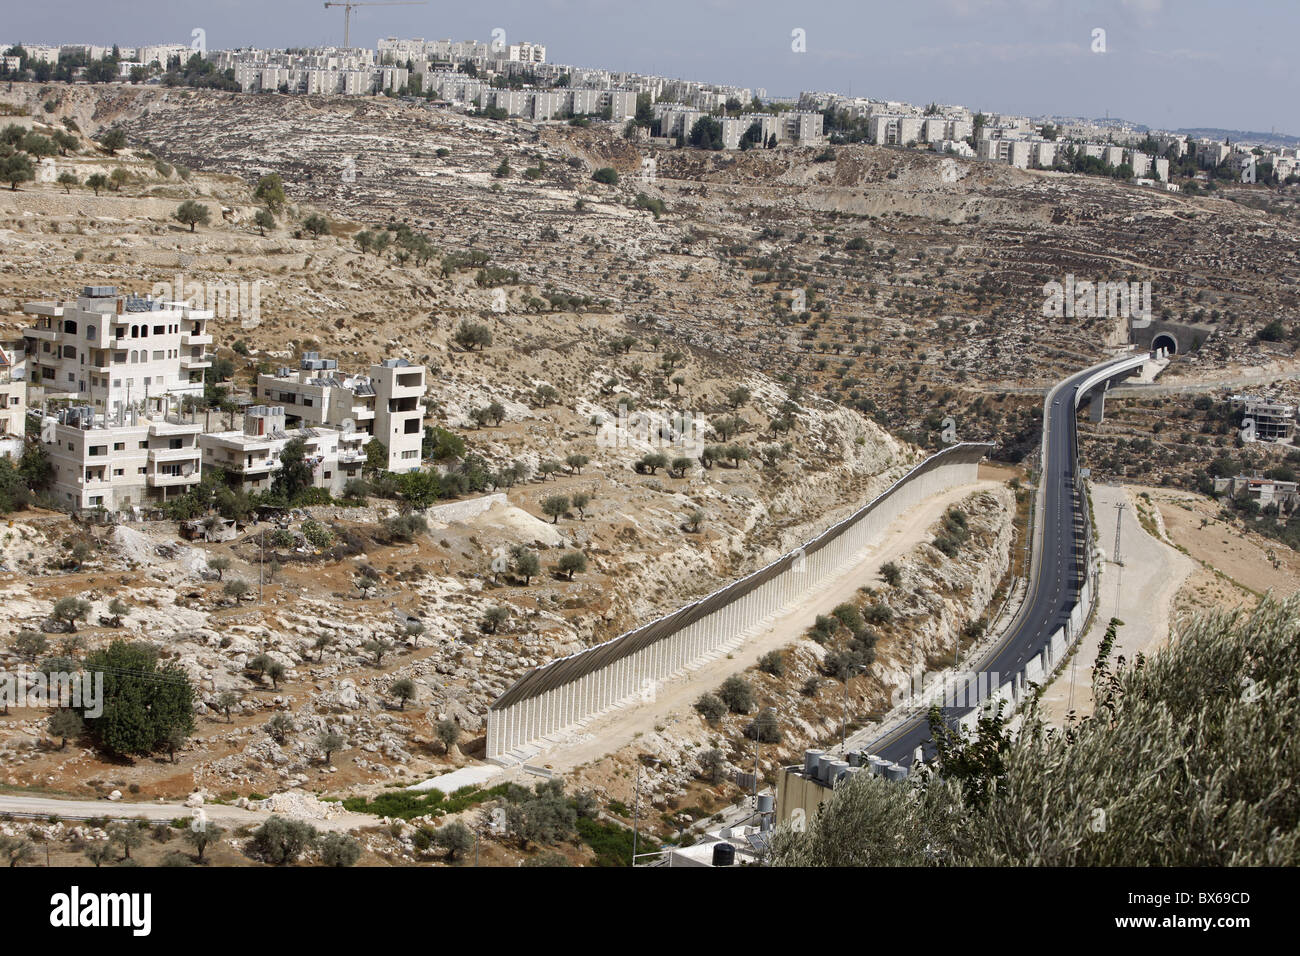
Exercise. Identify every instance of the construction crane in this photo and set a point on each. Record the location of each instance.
(347, 12)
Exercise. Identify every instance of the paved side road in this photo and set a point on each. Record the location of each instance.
(229, 817)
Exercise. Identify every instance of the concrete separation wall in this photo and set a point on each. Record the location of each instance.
(571, 690)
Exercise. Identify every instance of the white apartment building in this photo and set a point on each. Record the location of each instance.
(161, 53)
(120, 463)
(887, 129)
(119, 367)
(13, 399)
(526, 53)
(1013, 152)
(250, 457)
(386, 404)
(801, 126)
(113, 352)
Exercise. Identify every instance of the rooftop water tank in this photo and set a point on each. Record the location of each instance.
(835, 770)
(810, 763)
(895, 772)
(824, 762)
(765, 803)
(724, 854)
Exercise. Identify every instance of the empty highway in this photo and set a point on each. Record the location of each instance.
(1057, 566)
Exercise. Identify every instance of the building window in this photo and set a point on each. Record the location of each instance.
(119, 446)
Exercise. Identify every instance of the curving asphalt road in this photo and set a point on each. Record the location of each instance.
(1056, 576)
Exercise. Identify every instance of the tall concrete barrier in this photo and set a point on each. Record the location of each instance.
(569, 691)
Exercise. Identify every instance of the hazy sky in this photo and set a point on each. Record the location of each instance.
(1167, 63)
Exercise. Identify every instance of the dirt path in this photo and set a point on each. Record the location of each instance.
(616, 730)
(1146, 584)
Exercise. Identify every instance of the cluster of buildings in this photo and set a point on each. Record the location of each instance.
(800, 127)
(151, 55)
(119, 381)
(460, 73)
(1283, 495)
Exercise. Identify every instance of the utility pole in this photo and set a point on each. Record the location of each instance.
(1119, 564)
(844, 727)
(636, 810)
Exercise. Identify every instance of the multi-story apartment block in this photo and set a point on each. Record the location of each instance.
(1211, 153)
(386, 404)
(1271, 421)
(887, 129)
(115, 352)
(526, 53)
(803, 127)
(120, 368)
(13, 399)
(1043, 152)
(250, 457)
(121, 463)
(1014, 152)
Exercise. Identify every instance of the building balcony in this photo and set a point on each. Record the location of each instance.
(174, 426)
(43, 308)
(196, 338)
(191, 362)
(171, 455)
(259, 466)
(45, 335)
(158, 479)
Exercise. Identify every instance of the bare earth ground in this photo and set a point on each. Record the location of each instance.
(1170, 560)
(673, 702)
(1139, 593)
(1240, 558)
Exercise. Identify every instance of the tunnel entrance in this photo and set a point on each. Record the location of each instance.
(1166, 342)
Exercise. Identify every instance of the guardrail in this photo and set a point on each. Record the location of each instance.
(1054, 649)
